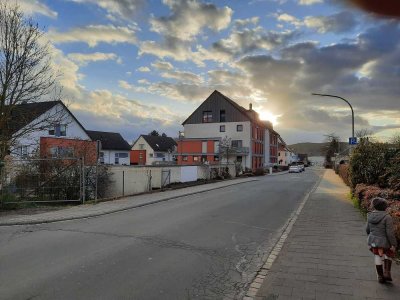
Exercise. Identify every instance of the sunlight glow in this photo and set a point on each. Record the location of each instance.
(268, 116)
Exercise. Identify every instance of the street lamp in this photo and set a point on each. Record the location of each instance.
(352, 112)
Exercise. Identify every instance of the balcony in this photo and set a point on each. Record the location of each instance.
(240, 150)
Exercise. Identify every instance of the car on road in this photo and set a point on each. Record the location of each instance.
(301, 166)
(294, 169)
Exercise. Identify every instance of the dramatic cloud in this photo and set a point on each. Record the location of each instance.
(309, 2)
(143, 69)
(189, 17)
(181, 76)
(337, 23)
(83, 59)
(122, 8)
(246, 22)
(37, 7)
(162, 65)
(245, 41)
(94, 34)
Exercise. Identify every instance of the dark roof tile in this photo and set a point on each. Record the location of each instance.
(109, 140)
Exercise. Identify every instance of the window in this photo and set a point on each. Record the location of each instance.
(184, 158)
(195, 158)
(207, 117)
(239, 127)
(141, 146)
(58, 130)
(216, 146)
(159, 155)
(222, 115)
(101, 157)
(239, 159)
(118, 156)
(222, 128)
(204, 147)
(63, 130)
(237, 143)
(22, 151)
(61, 151)
(216, 158)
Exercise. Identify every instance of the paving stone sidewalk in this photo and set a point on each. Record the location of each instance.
(92, 210)
(325, 255)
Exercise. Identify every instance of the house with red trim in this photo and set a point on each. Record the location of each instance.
(219, 120)
(152, 150)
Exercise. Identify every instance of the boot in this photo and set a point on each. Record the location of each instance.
(388, 266)
(379, 272)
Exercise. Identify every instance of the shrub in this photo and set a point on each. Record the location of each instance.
(368, 162)
(259, 172)
(343, 171)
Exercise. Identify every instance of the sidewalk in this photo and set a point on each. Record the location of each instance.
(325, 255)
(102, 208)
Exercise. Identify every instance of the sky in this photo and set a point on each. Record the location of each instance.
(131, 66)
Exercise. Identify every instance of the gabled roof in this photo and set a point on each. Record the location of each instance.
(24, 114)
(251, 115)
(109, 140)
(160, 143)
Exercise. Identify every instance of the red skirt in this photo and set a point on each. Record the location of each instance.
(382, 251)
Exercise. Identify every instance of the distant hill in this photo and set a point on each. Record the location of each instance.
(314, 149)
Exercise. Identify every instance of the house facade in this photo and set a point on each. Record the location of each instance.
(151, 150)
(114, 150)
(218, 121)
(52, 119)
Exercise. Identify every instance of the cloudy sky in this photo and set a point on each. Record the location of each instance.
(132, 66)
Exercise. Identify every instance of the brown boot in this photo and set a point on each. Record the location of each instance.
(379, 272)
(388, 266)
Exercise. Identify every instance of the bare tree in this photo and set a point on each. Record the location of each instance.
(26, 76)
(332, 147)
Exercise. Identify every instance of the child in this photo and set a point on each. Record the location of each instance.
(381, 238)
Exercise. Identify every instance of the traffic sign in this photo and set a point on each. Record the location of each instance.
(352, 141)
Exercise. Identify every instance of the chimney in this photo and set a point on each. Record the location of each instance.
(250, 106)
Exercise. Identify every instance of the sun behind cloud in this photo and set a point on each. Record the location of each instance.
(269, 116)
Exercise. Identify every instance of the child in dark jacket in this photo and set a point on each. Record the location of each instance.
(381, 238)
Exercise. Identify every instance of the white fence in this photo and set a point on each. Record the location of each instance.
(130, 180)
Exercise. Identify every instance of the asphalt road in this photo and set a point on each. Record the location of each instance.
(204, 246)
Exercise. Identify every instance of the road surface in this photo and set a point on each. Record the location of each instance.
(203, 246)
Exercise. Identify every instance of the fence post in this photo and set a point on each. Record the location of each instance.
(123, 183)
(83, 181)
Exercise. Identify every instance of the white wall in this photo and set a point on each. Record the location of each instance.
(150, 155)
(74, 131)
(109, 157)
(129, 180)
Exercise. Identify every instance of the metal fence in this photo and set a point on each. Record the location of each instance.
(47, 180)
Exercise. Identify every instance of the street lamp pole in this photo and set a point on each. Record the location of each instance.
(351, 107)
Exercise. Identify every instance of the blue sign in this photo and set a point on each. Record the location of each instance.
(352, 141)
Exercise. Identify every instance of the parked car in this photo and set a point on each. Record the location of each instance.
(294, 169)
(301, 166)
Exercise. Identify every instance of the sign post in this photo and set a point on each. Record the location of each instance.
(352, 141)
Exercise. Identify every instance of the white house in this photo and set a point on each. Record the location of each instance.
(114, 150)
(45, 119)
(150, 150)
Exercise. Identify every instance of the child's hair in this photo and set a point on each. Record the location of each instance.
(379, 203)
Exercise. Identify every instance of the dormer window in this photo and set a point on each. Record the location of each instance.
(207, 117)
(222, 116)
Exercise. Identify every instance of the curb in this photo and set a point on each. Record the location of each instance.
(287, 228)
(33, 222)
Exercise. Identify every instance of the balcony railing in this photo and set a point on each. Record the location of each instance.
(241, 150)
